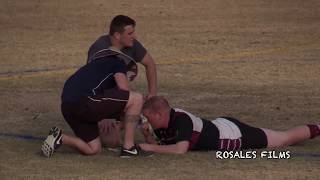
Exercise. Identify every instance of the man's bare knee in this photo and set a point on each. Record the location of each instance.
(96, 150)
(94, 147)
(93, 151)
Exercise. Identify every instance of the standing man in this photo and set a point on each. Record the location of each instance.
(122, 35)
(97, 91)
(179, 131)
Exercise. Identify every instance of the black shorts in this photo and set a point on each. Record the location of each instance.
(252, 138)
(83, 116)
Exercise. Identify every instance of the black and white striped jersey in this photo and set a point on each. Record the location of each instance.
(223, 133)
(184, 126)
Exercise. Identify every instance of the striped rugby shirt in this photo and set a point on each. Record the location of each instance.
(218, 134)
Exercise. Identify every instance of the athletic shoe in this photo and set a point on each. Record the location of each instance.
(53, 142)
(144, 153)
(134, 151)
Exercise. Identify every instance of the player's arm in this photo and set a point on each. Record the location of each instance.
(150, 139)
(178, 148)
(122, 81)
(147, 133)
(151, 74)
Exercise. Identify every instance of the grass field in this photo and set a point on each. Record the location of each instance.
(257, 60)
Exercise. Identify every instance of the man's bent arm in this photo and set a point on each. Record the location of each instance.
(151, 74)
(122, 81)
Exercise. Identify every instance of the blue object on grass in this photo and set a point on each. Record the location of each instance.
(22, 136)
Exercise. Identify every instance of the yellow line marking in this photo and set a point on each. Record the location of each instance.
(244, 54)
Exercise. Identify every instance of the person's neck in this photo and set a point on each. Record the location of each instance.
(115, 44)
(167, 118)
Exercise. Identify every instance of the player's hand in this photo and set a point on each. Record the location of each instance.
(148, 96)
(145, 129)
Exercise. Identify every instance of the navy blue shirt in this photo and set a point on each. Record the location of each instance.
(93, 78)
(137, 51)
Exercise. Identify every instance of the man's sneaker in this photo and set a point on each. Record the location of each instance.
(134, 151)
(53, 141)
(144, 153)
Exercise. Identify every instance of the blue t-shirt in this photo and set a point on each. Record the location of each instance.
(93, 78)
(137, 51)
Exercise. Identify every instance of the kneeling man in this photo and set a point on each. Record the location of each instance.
(97, 91)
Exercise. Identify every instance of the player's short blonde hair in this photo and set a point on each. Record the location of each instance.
(156, 103)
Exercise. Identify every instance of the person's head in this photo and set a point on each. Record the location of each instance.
(157, 111)
(122, 30)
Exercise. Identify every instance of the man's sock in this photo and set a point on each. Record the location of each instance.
(314, 130)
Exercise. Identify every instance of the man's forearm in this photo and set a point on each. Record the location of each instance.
(151, 74)
(170, 149)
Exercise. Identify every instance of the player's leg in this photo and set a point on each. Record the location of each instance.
(294, 135)
(55, 139)
(112, 104)
(251, 137)
(84, 124)
(87, 148)
(132, 116)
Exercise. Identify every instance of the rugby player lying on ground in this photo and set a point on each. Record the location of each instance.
(179, 131)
